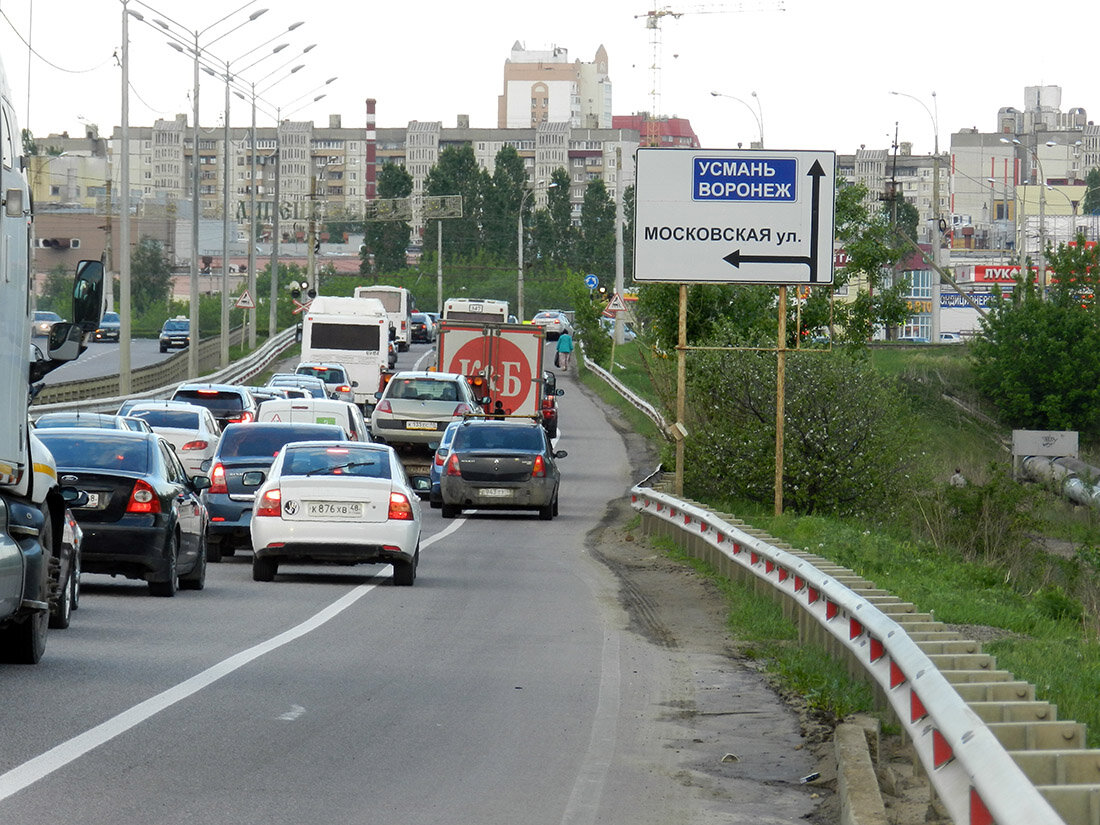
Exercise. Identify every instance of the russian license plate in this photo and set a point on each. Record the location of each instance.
(334, 509)
(419, 425)
(495, 492)
(93, 500)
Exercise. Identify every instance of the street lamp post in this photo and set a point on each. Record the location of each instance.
(1041, 258)
(519, 245)
(933, 115)
(757, 113)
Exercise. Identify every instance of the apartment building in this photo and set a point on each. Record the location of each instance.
(546, 87)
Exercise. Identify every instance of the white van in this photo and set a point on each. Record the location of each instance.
(344, 414)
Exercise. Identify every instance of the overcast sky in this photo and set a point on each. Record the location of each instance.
(822, 70)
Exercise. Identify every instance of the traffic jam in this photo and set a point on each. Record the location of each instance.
(335, 463)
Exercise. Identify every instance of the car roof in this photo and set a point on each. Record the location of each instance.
(99, 432)
(237, 388)
(164, 403)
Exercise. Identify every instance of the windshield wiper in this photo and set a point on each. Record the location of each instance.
(350, 465)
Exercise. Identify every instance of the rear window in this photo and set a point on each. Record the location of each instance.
(355, 337)
(211, 399)
(329, 375)
(300, 461)
(422, 389)
(253, 440)
(483, 437)
(180, 419)
(130, 455)
(62, 420)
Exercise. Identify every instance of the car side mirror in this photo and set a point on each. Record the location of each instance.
(88, 295)
(355, 383)
(560, 454)
(253, 478)
(559, 392)
(65, 342)
(73, 497)
(205, 464)
(200, 482)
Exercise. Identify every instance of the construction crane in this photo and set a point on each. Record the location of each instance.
(653, 19)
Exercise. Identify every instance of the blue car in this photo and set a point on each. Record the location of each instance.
(435, 497)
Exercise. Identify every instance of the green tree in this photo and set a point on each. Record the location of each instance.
(502, 202)
(57, 292)
(596, 241)
(150, 275)
(1091, 204)
(457, 173)
(1038, 359)
(552, 236)
(387, 241)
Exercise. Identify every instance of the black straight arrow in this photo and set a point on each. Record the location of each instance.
(735, 258)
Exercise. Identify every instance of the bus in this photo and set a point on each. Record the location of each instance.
(478, 310)
(353, 332)
(399, 305)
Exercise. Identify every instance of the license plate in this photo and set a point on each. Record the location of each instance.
(495, 492)
(334, 509)
(419, 425)
(93, 500)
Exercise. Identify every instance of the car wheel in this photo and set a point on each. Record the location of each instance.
(228, 550)
(213, 550)
(546, 513)
(450, 510)
(61, 610)
(552, 430)
(404, 573)
(196, 579)
(264, 570)
(74, 582)
(167, 588)
(163, 348)
(555, 505)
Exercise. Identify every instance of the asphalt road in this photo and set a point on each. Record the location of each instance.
(101, 358)
(510, 684)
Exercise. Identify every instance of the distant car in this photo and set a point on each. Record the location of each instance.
(191, 430)
(143, 518)
(951, 338)
(229, 403)
(175, 334)
(501, 465)
(554, 323)
(103, 421)
(262, 394)
(912, 339)
(423, 328)
(415, 407)
(550, 395)
(247, 448)
(442, 450)
(336, 378)
(313, 385)
(43, 322)
(110, 326)
(608, 326)
(336, 503)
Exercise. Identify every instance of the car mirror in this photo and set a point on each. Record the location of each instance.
(253, 478)
(88, 295)
(200, 482)
(65, 342)
(560, 454)
(433, 445)
(73, 497)
(355, 383)
(559, 392)
(422, 485)
(205, 465)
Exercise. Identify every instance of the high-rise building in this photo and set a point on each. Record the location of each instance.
(545, 87)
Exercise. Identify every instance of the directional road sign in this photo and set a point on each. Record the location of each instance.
(734, 216)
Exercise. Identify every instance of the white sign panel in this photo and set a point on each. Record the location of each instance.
(734, 216)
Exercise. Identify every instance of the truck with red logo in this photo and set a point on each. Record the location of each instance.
(504, 360)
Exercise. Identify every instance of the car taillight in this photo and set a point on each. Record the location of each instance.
(344, 388)
(143, 499)
(548, 402)
(400, 508)
(217, 480)
(241, 418)
(440, 458)
(452, 465)
(270, 503)
(539, 470)
(461, 409)
(196, 445)
(384, 407)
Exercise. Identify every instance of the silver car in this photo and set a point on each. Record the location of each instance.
(416, 407)
(336, 378)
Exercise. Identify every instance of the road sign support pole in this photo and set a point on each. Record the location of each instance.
(681, 390)
(780, 397)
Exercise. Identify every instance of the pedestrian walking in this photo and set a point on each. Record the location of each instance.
(565, 350)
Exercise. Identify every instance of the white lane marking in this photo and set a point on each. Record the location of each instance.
(584, 801)
(420, 361)
(61, 755)
(292, 714)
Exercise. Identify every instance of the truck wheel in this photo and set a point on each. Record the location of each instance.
(264, 570)
(450, 510)
(167, 588)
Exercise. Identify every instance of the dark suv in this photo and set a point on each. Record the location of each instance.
(229, 403)
(176, 332)
(245, 448)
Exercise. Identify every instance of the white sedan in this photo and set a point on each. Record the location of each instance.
(190, 429)
(335, 503)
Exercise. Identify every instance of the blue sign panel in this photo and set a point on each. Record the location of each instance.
(770, 180)
(591, 281)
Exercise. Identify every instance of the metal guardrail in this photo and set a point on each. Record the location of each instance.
(973, 774)
(159, 380)
(641, 404)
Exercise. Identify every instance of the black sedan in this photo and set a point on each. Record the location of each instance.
(110, 326)
(143, 518)
(501, 465)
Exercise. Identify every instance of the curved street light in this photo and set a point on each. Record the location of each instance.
(757, 113)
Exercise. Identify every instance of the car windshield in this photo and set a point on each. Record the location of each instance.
(177, 326)
(423, 389)
(110, 318)
(102, 452)
(255, 440)
(180, 419)
(482, 437)
(303, 461)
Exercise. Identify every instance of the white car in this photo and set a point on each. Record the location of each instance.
(416, 407)
(317, 411)
(192, 430)
(337, 381)
(555, 323)
(335, 503)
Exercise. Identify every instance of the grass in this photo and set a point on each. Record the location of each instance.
(1043, 645)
